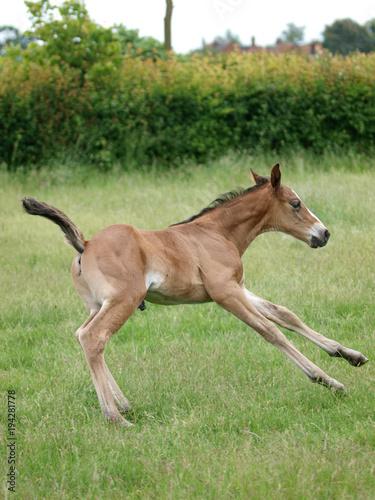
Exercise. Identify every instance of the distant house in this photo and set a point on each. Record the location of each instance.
(313, 48)
(253, 48)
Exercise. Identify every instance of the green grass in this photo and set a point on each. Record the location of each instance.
(218, 412)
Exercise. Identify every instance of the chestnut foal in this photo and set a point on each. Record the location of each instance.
(195, 261)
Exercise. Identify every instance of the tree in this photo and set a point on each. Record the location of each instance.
(229, 37)
(131, 42)
(370, 26)
(345, 36)
(221, 41)
(9, 35)
(293, 34)
(72, 38)
(167, 26)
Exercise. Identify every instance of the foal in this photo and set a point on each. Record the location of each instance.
(192, 262)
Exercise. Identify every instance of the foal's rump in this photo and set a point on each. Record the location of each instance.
(111, 267)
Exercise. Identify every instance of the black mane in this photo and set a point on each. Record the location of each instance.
(224, 198)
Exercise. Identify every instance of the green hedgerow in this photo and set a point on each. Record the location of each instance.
(174, 108)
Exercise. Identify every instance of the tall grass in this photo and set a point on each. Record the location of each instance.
(218, 412)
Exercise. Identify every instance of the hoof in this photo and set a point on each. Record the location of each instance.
(122, 403)
(331, 383)
(337, 387)
(125, 423)
(117, 420)
(124, 408)
(358, 360)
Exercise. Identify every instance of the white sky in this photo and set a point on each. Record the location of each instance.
(195, 20)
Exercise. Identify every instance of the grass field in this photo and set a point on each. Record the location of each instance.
(218, 412)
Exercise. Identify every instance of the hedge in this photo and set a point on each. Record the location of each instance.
(195, 107)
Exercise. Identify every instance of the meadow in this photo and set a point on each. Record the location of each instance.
(217, 412)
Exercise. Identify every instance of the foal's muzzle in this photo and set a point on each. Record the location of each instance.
(319, 239)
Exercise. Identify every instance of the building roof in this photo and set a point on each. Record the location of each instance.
(312, 48)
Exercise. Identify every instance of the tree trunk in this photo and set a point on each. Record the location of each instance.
(167, 26)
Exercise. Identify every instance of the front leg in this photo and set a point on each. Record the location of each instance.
(285, 318)
(233, 298)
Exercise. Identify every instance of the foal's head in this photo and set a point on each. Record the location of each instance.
(288, 214)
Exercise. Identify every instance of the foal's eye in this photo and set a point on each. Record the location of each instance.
(296, 204)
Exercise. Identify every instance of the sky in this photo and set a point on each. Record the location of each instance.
(197, 20)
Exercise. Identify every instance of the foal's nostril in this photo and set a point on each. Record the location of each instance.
(326, 234)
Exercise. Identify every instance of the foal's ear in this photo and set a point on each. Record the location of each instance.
(256, 177)
(276, 177)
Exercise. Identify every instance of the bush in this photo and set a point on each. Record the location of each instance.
(41, 109)
(195, 107)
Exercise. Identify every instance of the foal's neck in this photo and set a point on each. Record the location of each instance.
(240, 220)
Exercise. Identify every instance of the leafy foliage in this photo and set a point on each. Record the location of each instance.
(293, 33)
(229, 37)
(133, 43)
(197, 107)
(370, 26)
(9, 35)
(345, 36)
(72, 38)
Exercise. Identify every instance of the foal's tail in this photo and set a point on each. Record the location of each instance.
(72, 234)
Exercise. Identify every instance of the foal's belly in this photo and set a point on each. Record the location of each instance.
(163, 290)
(162, 298)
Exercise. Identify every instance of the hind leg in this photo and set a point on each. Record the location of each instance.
(93, 308)
(121, 401)
(93, 337)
